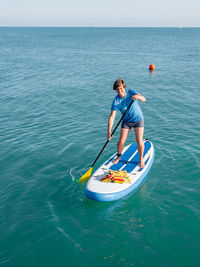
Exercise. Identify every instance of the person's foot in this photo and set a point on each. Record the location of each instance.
(142, 163)
(115, 161)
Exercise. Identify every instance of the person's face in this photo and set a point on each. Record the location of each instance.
(121, 91)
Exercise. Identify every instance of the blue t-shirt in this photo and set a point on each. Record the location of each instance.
(121, 103)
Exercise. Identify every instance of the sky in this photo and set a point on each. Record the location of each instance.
(100, 13)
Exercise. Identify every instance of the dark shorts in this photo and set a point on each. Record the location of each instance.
(129, 125)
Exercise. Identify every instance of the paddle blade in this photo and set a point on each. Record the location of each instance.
(86, 176)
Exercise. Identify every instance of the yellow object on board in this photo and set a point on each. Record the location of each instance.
(116, 177)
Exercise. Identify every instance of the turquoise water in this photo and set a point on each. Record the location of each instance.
(55, 97)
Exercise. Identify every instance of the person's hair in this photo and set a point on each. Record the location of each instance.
(118, 83)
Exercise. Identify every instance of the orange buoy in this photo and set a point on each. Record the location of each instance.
(152, 67)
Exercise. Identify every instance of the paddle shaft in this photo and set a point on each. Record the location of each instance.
(112, 133)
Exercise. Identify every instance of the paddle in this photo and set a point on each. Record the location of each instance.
(87, 175)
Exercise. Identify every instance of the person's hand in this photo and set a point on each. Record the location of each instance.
(139, 97)
(135, 97)
(109, 136)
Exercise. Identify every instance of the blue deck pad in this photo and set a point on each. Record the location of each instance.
(125, 157)
(130, 166)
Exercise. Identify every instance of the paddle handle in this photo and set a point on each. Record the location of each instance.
(112, 133)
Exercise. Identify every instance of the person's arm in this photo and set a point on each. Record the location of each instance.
(137, 96)
(110, 123)
(140, 97)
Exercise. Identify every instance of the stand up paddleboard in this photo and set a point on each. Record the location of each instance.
(108, 191)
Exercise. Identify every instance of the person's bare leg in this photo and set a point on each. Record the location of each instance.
(139, 131)
(120, 145)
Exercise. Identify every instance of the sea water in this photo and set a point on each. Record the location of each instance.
(55, 98)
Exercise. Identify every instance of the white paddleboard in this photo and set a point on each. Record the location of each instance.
(102, 191)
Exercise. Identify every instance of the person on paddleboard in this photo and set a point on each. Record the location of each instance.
(133, 118)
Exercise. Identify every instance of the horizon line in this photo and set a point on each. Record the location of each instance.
(49, 26)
